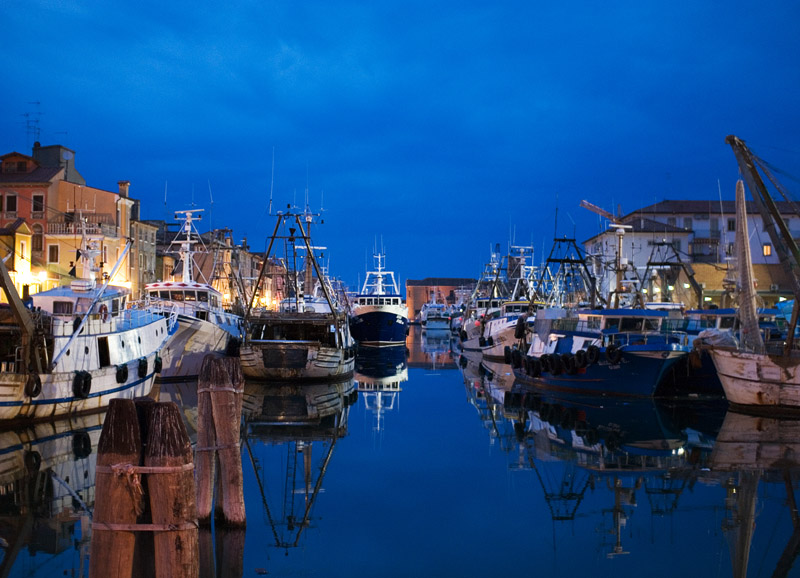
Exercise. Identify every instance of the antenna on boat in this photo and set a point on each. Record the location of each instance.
(271, 181)
(211, 209)
(166, 213)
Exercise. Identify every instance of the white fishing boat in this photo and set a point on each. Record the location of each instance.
(754, 375)
(303, 340)
(78, 347)
(434, 316)
(204, 326)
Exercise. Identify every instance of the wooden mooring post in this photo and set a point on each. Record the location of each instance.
(219, 391)
(129, 539)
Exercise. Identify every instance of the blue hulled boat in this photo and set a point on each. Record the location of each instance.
(379, 315)
(623, 352)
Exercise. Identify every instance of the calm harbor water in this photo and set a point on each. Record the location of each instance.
(430, 466)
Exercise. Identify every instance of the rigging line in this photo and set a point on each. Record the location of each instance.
(778, 186)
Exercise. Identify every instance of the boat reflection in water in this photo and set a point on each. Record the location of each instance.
(378, 375)
(47, 484)
(486, 388)
(751, 452)
(290, 432)
(430, 349)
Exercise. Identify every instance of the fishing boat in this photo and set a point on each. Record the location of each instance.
(379, 316)
(600, 351)
(77, 347)
(755, 374)
(204, 326)
(303, 339)
(434, 317)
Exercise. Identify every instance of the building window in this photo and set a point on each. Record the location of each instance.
(22, 166)
(52, 254)
(105, 253)
(687, 223)
(731, 225)
(11, 203)
(37, 241)
(766, 249)
(672, 221)
(37, 204)
(23, 247)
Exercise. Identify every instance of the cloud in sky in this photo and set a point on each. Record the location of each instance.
(440, 127)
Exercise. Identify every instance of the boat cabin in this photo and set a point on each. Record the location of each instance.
(197, 298)
(371, 300)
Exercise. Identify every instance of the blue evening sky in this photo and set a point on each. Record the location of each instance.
(440, 127)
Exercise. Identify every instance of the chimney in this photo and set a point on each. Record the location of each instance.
(123, 188)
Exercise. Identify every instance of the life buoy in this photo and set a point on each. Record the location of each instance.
(613, 354)
(580, 358)
(82, 384)
(122, 373)
(142, 369)
(103, 313)
(592, 354)
(33, 386)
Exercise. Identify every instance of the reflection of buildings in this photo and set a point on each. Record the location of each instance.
(437, 290)
(290, 434)
(47, 484)
(378, 374)
(429, 349)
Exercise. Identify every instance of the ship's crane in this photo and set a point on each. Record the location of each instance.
(620, 230)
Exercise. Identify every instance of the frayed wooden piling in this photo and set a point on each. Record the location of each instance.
(119, 499)
(172, 492)
(219, 390)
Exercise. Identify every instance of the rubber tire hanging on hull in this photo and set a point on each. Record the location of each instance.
(33, 386)
(82, 384)
(142, 369)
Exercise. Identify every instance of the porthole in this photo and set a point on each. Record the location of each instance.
(86, 350)
(140, 339)
(67, 352)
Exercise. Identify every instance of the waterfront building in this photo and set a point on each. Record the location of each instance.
(46, 191)
(684, 248)
(446, 290)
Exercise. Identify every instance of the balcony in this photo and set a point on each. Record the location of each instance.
(98, 224)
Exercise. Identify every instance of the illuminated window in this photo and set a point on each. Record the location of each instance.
(767, 249)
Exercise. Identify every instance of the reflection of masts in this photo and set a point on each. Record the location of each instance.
(663, 493)
(738, 526)
(564, 496)
(789, 554)
(623, 497)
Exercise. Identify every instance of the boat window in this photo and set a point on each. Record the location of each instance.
(165, 294)
(202, 314)
(62, 307)
(115, 306)
(154, 294)
(380, 301)
(651, 324)
(630, 324)
(727, 322)
(612, 322)
(202, 296)
(370, 301)
(593, 322)
(214, 301)
(83, 304)
(190, 296)
(176, 295)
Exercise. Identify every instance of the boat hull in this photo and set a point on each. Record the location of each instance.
(57, 397)
(636, 374)
(296, 361)
(757, 382)
(376, 328)
(195, 338)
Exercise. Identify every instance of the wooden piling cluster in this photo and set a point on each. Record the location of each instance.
(219, 462)
(145, 517)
